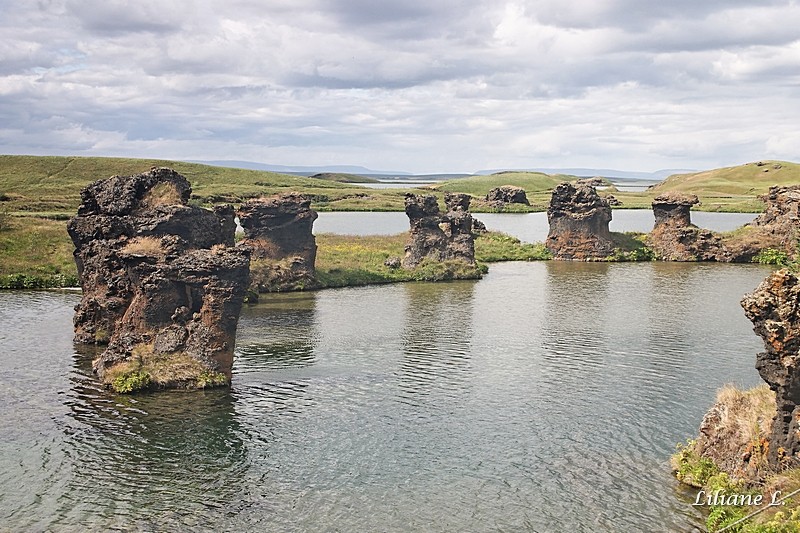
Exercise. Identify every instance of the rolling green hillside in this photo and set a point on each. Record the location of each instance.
(750, 179)
(52, 184)
(732, 188)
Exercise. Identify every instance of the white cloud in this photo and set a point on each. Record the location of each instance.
(455, 85)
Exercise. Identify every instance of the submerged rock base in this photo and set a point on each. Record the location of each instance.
(162, 285)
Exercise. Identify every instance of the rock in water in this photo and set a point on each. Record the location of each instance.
(578, 219)
(774, 309)
(162, 285)
(279, 231)
(675, 238)
(507, 194)
(436, 235)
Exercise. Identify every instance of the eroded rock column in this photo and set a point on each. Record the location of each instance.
(161, 284)
(279, 231)
(578, 219)
(436, 235)
(675, 238)
(774, 309)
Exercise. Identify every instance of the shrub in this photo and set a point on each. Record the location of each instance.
(131, 382)
(771, 256)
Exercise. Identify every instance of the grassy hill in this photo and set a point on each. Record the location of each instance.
(538, 186)
(43, 184)
(732, 188)
(749, 179)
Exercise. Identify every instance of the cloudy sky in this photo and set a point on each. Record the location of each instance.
(415, 85)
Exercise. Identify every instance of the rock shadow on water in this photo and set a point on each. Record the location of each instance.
(436, 340)
(574, 337)
(149, 461)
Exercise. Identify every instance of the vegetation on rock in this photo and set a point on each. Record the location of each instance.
(730, 459)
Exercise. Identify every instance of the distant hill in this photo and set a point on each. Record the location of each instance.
(602, 172)
(532, 182)
(304, 170)
(749, 179)
(343, 178)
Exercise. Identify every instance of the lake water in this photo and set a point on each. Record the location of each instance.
(528, 227)
(546, 397)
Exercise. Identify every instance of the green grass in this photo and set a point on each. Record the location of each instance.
(36, 253)
(53, 184)
(348, 260)
(728, 189)
(50, 186)
(538, 187)
(344, 260)
(630, 246)
(494, 246)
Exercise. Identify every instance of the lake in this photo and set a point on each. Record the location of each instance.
(546, 397)
(528, 227)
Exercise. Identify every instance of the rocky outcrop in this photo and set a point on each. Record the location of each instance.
(675, 238)
(781, 217)
(578, 219)
(162, 284)
(774, 309)
(436, 235)
(278, 229)
(507, 194)
(590, 182)
(734, 433)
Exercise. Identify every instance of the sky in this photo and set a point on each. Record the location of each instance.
(421, 86)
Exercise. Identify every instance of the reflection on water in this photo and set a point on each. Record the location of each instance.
(148, 462)
(545, 397)
(436, 340)
(528, 227)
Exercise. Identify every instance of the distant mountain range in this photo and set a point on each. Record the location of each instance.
(658, 175)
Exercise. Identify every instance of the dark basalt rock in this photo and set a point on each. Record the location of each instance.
(774, 309)
(590, 182)
(279, 231)
(673, 209)
(781, 217)
(578, 219)
(436, 235)
(158, 276)
(675, 238)
(507, 194)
